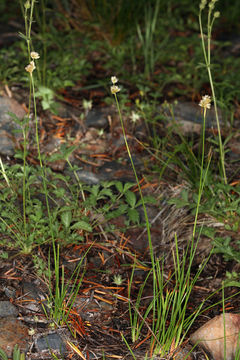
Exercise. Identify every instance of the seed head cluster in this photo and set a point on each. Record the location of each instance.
(205, 102)
(31, 66)
(114, 88)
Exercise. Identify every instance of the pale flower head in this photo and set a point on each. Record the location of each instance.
(35, 55)
(31, 331)
(205, 102)
(114, 79)
(27, 5)
(134, 117)
(87, 105)
(30, 67)
(203, 4)
(118, 280)
(211, 5)
(115, 89)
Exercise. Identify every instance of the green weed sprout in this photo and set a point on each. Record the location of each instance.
(61, 301)
(147, 38)
(212, 16)
(17, 354)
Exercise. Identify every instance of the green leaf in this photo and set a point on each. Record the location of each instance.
(232, 283)
(15, 118)
(108, 184)
(127, 186)
(16, 353)
(67, 151)
(208, 231)
(82, 225)
(55, 157)
(180, 202)
(95, 190)
(119, 186)
(133, 215)
(66, 218)
(60, 192)
(147, 200)
(23, 36)
(116, 213)
(46, 104)
(130, 198)
(3, 355)
(107, 192)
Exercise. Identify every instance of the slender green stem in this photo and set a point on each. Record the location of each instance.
(28, 24)
(201, 181)
(207, 58)
(138, 184)
(43, 5)
(30, 21)
(43, 174)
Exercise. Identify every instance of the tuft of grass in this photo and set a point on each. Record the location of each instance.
(17, 354)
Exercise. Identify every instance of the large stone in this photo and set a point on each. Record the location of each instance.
(97, 119)
(7, 309)
(8, 127)
(188, 118)
(219, 335)
(51, 341)
(13, 332)
(88, 177)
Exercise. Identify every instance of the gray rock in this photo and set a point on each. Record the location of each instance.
(9, 130)
(87, 177)
(31, 290)
(8, 309)
(51, 341)
(6, 144)
(114, 170)
(96, 119)
(190, 117)
(38, 299)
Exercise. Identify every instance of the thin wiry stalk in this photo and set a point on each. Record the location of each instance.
(207, 58)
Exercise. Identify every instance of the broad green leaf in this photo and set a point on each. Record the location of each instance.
(67, 151)
(133, 215)
(55, 157)
(127, 186)
(232, 283)
(15, 118)
(66, 218)
(130, 198)
(82, 225)
(107, 192)
(147, 200)
(116, 213)
(119, 186)
(3, 355)
(95, 190)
